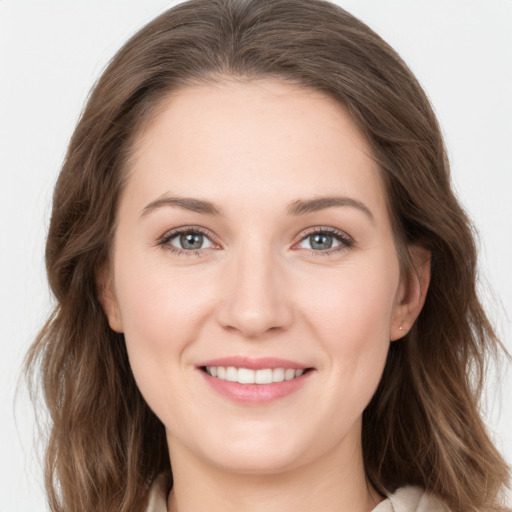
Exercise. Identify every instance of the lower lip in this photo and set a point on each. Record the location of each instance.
(256, 394)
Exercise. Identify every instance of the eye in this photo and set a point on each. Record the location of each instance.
(323, 240)
(187, 240)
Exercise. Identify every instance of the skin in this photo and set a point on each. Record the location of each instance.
(257, 288)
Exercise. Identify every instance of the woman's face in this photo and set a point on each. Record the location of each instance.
(254, 275)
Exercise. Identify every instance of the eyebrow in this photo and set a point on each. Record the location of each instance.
(297, 207)
(186, 203)
(303, 207)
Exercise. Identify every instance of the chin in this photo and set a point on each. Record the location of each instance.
(265, 451)
(259, 462)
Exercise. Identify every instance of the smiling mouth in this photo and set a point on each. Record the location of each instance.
(249, 376)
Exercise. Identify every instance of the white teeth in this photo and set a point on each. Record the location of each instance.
(289, 374)
(278, 374)
(263, 376)
(248, 376)
(231, 374)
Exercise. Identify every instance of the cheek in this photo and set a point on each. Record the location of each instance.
(157, 302)
(161, 313)
(351, 314)
(354, 300)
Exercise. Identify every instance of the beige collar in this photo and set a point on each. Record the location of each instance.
(405, 499)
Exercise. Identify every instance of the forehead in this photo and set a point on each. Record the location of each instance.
(269, 138)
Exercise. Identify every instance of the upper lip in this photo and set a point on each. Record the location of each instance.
(251, 363)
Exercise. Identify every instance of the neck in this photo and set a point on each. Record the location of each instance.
(335, 483)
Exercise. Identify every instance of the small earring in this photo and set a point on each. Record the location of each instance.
(400, 328)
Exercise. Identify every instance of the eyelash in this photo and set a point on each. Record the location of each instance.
(165, 239)
(345, 241)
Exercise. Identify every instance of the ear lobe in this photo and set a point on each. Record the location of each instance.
(412, 293)
(108, 299)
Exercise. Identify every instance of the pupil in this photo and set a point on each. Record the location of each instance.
(191, 241)
(321, 241)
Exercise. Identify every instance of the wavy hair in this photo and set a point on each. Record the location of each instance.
(423, 425)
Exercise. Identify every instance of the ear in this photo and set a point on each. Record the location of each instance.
(107, 297)
(411, 293)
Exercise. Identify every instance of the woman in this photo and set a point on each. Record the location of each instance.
(263, 279)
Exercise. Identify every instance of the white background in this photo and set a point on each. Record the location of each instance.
(51, 53)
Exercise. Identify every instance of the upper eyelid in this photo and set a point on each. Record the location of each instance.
(171, 233)
(323, 229)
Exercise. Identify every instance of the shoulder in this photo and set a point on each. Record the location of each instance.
(411, 499)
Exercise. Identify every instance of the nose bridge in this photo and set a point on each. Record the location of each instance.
(255, 300)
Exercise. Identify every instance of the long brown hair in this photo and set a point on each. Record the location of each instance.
(423, 425)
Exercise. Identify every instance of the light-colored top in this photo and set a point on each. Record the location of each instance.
(411, 499)
(405, 499)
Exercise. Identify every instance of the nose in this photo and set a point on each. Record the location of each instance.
(255, 299)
